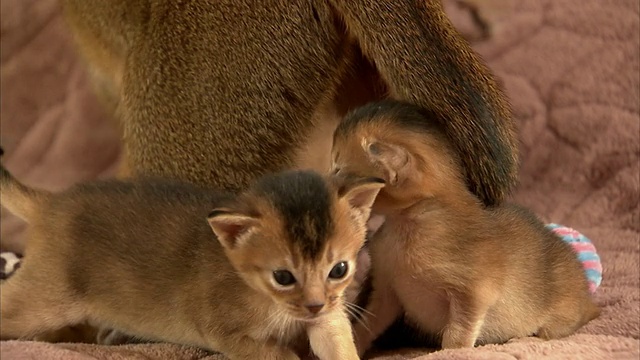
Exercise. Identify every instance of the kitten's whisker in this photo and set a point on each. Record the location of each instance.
(272, 316)
(362, 319)
(283, 325)
(364, 324)
(360, 308)
(274, 324)
(353, 314)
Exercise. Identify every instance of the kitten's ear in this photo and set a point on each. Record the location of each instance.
(230, 227)
(393, 159)
(360, 193)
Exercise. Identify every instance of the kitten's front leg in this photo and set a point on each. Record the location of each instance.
(332, 339)
(383, 309)
(466, 317)
(242, 348)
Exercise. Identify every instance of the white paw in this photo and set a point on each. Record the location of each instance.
(9, 263)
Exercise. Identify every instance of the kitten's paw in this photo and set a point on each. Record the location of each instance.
(80, 333)
(352, 356)
(289, 355)
(452, 344)
(113, 337)
(455, 337)
(280, 354)
(9, 263)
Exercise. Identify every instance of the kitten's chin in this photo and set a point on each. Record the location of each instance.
(309, 319)
(302, 317)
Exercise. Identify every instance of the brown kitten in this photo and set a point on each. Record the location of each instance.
(139, 257)
(466, 274)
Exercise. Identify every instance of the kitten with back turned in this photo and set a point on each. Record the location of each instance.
(458, 271)
(138, 256)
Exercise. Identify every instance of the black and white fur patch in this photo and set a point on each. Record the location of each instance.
(9, 263)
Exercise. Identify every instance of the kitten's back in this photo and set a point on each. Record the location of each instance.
(105, 228)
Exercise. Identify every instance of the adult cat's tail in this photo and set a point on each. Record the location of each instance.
(21, 200)
(423, 60)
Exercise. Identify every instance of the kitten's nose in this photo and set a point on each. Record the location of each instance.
(315, 308)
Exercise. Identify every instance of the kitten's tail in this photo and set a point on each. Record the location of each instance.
(21, 200)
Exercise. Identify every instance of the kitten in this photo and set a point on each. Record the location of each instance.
(463, 273)
(268, 268)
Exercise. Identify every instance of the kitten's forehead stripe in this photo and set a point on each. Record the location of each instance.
(304, 201)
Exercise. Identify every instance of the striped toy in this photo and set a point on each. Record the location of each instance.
(585, 250)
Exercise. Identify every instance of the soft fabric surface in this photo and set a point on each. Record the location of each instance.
(571, 69)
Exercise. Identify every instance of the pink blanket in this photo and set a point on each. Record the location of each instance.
(571, 69)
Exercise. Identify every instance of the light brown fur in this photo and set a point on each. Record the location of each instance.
(465, 274)
(139, 257)
(220, 92)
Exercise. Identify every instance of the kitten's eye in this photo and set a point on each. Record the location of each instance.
(339, 270)
(284, 277)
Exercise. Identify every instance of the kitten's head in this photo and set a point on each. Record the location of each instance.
(295, 236)
(401, 143)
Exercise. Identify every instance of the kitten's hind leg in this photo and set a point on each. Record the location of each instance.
(466, 318)
(29, 306)
(567, 319)
(558, 327)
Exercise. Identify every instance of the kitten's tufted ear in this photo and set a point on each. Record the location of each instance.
(393, 159)
(230, 227)
(360, 192)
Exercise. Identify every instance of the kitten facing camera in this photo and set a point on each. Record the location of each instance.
(261, 277)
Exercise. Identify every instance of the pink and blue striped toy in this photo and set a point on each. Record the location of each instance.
(585, 250)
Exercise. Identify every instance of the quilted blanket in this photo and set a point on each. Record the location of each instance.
(571, 69)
